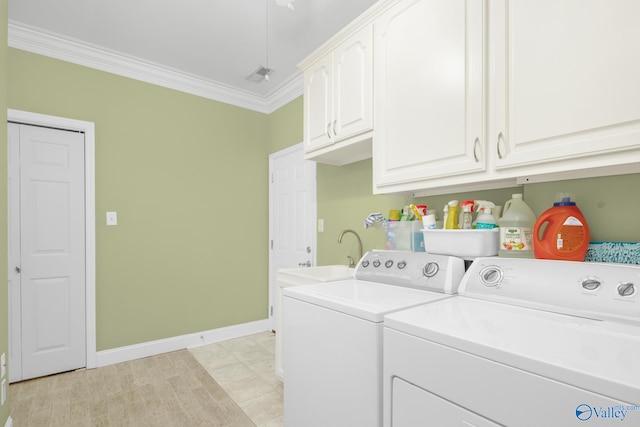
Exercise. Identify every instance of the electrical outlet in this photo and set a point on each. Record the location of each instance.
(3, 392)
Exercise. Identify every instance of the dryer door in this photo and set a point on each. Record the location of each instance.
(413, 405)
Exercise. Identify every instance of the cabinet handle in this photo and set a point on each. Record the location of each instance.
(500, 138)
(476, 144)
(334, 127)
(329, 130)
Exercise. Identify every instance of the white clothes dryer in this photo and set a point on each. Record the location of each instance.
(526, 343)
(333, 352)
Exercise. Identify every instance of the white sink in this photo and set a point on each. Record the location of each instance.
(323, 273)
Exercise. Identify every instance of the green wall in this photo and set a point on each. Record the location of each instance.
(344, 201)
(284, 126)
(187, 177)
(4, 291)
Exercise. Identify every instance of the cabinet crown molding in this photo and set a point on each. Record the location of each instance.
(366, 18)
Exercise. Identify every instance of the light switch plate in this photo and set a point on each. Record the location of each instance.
(112, 218)
(321, 226)
(3, 365)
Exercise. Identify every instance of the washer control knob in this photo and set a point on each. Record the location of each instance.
(491, 275)
(430, 269)
(376, 263)
(388, 263)
(591, 284)
(402, 265)
(626, 289)
(365, 263)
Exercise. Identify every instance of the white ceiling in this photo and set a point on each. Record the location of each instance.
(205, 47)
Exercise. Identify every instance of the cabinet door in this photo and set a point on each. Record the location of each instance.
(428, 91)
(564, 80)
(318, 98)
(353, 85)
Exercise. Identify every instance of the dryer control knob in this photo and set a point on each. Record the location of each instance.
(591, 284)
(376, 263)
(430, 269)
(491, 275)
(626, 289)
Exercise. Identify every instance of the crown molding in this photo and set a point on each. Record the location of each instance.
(287, 92)
(74, 51)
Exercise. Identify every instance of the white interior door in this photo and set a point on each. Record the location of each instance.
(292, 214)
(46, 251)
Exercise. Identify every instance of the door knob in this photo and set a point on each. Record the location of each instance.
(18, 270)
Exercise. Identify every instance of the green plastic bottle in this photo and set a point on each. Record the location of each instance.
(516, 228)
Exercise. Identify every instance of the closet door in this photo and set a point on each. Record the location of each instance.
(47, 253)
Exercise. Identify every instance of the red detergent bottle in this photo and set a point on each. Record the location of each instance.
(566, 235)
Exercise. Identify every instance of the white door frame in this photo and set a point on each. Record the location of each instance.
(272, 274)
(90, 211)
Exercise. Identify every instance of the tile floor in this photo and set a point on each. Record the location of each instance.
(245, 368)
(167, 390)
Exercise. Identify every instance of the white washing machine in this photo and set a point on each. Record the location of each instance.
(333, 352)
(526, 343)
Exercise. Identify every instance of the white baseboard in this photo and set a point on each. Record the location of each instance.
(152, 348)
(9, 422)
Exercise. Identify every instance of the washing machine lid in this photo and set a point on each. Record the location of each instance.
(366, 300)
(595, 355)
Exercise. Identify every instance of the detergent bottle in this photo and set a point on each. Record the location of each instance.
(516, 226)
(566, 235)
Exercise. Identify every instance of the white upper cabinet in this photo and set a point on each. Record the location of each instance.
(353, 86)
(428, 94)
(338, 110)
(318, 104)
(478, 94)
(473, 95)
(564, 84)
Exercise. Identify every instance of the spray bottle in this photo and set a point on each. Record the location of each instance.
(479, 206)
(485, 220)
(466, 217)
(465, 214)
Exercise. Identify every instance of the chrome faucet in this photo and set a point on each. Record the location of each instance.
(352, 263)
